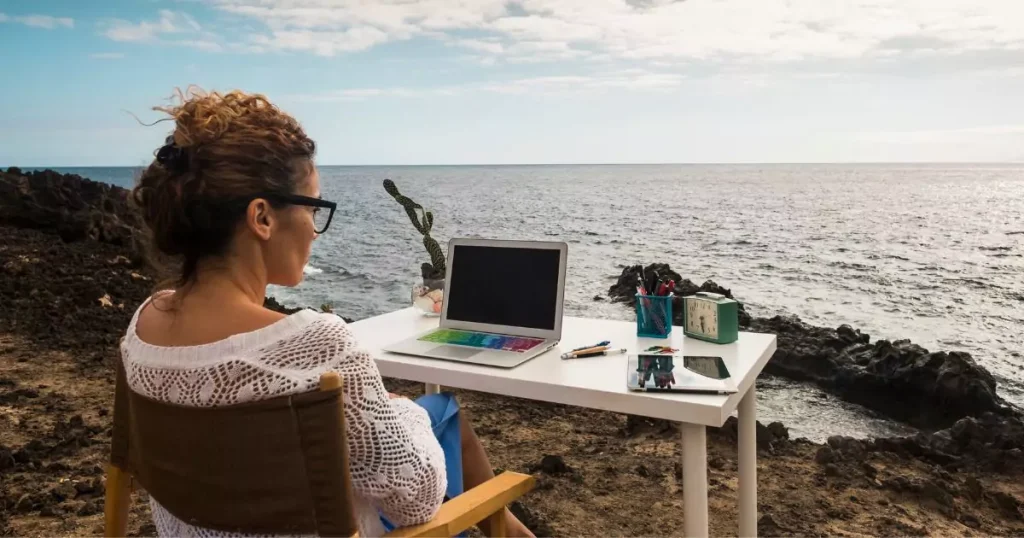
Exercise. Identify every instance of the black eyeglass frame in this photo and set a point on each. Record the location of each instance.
(298, 199)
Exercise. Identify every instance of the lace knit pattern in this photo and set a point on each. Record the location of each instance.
(396, 463)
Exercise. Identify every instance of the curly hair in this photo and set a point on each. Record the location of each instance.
(224, 148)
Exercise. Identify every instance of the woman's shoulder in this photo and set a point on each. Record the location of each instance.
(309, 327)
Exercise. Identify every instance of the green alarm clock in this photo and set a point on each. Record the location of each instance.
(711, 317)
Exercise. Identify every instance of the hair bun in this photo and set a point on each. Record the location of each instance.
(172, 157)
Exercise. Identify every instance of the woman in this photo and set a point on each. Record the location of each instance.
(234, 199)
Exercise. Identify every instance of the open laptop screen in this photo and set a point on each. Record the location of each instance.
(503, 286)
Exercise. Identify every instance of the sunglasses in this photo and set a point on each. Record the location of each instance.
(323, 210)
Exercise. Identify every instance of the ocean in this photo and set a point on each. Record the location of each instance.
(929, 252)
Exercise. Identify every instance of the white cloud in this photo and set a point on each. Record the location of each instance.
(960, 135)
(170, 22)
(107, 55)
(323, 43)
(40, 21)
(900, 36)
(725, 31)
(630, 79)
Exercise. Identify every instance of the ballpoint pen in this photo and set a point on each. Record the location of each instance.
(599, 344)
(594, 354)
(584, 351)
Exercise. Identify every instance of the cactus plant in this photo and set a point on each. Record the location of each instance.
(423, 221)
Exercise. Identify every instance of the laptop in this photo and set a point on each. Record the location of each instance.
(502, 303)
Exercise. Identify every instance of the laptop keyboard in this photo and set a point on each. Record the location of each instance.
(500, 342)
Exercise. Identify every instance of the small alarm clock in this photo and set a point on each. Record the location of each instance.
(711, 317)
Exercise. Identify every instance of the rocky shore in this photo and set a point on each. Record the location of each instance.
(71, 276)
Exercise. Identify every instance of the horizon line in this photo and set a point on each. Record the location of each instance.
(709, 163)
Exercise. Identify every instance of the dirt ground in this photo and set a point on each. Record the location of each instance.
(599, 473)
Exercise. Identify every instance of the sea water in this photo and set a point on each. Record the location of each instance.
(929, 252)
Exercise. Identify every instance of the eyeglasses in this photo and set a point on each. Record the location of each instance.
(321, 218)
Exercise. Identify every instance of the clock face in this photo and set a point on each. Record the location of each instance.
(702, 317)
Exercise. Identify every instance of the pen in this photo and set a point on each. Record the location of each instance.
(577, 352)
(599, 344)
(594, 354)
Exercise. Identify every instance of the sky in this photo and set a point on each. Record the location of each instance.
(528, 81)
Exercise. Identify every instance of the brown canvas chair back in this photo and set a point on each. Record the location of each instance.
(277, 466)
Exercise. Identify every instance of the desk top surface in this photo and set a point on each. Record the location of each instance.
(594, 382)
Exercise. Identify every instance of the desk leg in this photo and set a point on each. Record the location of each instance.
(431, 388)
(748, 464)
(695, 480)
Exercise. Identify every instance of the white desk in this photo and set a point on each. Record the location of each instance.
(600, 383)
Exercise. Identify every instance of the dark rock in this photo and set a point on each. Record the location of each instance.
(63, 491)
(6, 458)
(50, 510)
(624, 289)
(635, 425)
(85, 488)
(76, 422)
(970, 520)
(832, 469)
(533, 521)
(898, 483)
(1009, 504)
(825, 455)
(68, 205)
(847, 445)
(869, 470)
(91, 507)
(930, 489)
(643, 471)
(767, 436)
(550, 464)
(974, 488)
(899, 379)
(26, 503)
(767, 526)
(778, 431)
(271, 303)
(986, 442)
(598, 298)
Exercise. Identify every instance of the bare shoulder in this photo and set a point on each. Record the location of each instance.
(165, 322)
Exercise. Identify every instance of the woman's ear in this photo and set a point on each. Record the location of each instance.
(259, 217)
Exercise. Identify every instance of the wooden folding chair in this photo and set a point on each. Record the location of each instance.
(277, 466)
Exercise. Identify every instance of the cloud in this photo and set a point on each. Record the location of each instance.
(322, 43)
(40, 21)
(958, 135)
(893, 36)
(169, 22)
(107, 55)
(769, 34)
(629, 79)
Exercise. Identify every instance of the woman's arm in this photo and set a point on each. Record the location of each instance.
(394, 459)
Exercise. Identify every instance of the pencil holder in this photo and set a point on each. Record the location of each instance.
(653, 316)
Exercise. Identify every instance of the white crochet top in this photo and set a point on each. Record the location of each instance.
(396, 463)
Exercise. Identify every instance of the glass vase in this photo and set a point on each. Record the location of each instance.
(428, 296)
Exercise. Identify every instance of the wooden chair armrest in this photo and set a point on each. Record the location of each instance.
(471, 507)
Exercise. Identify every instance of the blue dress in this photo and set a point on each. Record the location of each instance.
(444, 417)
